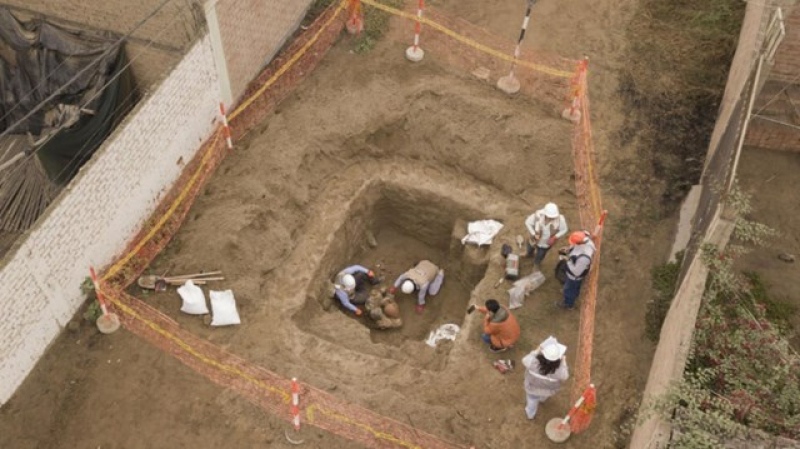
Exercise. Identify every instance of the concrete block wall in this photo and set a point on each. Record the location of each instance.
(153, 48)
(247, 42)
(101, 209)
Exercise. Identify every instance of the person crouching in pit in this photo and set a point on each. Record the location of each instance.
(424, 277)
(352, 286)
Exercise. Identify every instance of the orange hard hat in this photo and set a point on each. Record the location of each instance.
(577, 237)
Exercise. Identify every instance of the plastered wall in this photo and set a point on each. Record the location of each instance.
(100, 211)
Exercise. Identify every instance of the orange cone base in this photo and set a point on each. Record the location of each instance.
(414, 54)
(108, 323)
(508, 84)
(555, 431)
(571, 115)
(354, 26)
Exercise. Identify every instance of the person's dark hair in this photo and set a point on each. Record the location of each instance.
(492, 305)
(546, 366)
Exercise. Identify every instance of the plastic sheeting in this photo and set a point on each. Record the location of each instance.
(92, 89)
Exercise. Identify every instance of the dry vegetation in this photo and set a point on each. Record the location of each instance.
(680, 56)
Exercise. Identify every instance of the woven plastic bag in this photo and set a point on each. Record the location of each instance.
(223, 308)
(194, 301)
(523, 287)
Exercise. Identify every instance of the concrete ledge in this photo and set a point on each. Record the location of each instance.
(675, 339)
(684, 231)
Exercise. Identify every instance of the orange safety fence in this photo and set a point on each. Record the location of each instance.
(592, 219)
(543, 77)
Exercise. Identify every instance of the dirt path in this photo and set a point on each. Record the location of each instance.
(373, 142)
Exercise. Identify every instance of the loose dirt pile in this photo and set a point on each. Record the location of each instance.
(408, 152)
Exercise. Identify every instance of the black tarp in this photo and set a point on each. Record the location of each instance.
(88, 72)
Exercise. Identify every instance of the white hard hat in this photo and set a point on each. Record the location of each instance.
(551, 210)
(408, 286)
(349, 282)
(552, 350)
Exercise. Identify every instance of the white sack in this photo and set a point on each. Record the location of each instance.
(223, 308)
(444, 332)
(194, 301)
(522, 287)
(481, 232)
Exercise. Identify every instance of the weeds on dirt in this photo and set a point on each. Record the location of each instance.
(664, 280)
(680, 56)
(741, 373)
(376, 23)
(93, 310)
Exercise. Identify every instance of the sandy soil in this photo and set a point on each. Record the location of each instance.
(766, 175)
(371, 142)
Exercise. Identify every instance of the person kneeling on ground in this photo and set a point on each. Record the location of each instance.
(500, 326)
(425, 278)
(546, 369)
(351, 287)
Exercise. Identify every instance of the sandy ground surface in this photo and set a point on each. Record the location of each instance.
(371, 142)
(767, 175)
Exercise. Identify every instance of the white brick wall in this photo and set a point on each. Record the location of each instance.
(100, 211)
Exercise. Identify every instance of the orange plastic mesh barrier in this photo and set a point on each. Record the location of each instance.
(465, 46)
(592, 219)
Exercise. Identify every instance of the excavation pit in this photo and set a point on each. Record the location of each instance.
(409, 225)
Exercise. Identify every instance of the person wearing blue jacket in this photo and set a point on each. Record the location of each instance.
(352, 286)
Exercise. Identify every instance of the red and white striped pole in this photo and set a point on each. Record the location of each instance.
(295, 404)
(573, 111)
(414, 53)
(108, 322)
(292, 436)
(226, 129)
(510, 84)
(557, 429)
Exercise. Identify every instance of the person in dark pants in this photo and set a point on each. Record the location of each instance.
(352, 286)
(545, 226)
(579, 262)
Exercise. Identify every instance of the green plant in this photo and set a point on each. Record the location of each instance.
(376, 22)
(741, 372)
(775, 311)
(664, 280)
(93, 310)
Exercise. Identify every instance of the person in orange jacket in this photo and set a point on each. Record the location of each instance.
(500, 326)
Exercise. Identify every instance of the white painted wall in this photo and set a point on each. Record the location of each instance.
(100, 211)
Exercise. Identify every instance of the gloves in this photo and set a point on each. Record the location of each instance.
(563, 251)
(358, 312)
(562, 257)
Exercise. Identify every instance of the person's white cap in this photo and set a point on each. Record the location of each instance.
(552, 350)
(551, 210)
